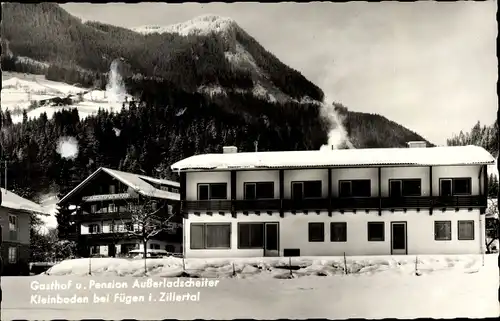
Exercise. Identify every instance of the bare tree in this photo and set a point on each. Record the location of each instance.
(147, 219)
(492, 223)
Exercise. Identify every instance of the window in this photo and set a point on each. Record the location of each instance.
(338, 232)
(94, 228)
(260, 190)
(405, 187)
(442, 230)
(210, 236)
(217, 191)
(94, 249)
(12, 255)
(455, 186)
(355, 188)
(154, 206)
(376, 231)
(154, 246)
(13, 227)
(112, 189)
(306, 189)
(250, 235)
(466, 230)
(12, 223)
(111, 208)
(170, 248)
(93, 208)
(316, 232)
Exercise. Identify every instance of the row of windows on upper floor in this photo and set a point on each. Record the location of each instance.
(347, 188)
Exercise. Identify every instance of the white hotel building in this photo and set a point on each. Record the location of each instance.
(325, 203)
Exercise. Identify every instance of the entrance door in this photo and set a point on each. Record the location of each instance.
(398, 238)
(271, 239)
(111, 250)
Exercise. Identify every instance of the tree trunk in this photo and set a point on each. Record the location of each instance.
(145, 250)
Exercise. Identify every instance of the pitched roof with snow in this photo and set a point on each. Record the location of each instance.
(16, 202)
(384, 157)
(140, 183)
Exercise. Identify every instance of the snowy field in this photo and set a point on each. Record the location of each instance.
(19, 90)
(377, 287)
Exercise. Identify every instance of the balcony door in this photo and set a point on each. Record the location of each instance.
(271, 239)
(398, 238)
(395, 189)
(297, 191)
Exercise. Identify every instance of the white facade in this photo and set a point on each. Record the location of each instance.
(294, 228)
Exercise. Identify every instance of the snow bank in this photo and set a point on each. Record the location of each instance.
(269, 267)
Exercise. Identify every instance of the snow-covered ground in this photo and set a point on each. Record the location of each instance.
(19, 90)
(273, 267)
(448, 287)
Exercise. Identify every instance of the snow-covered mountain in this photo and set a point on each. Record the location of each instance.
(201, 25)
(237, 54)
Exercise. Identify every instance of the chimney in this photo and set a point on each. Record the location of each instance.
(229, 150)
(417, 144)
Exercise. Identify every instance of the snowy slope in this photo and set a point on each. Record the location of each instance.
(237, 54)
(20, 90)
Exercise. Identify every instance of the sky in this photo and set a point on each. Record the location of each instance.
(430, 66)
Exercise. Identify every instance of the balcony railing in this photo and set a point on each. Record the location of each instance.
(346, 203)
(406, 202)
(358, 203)
(460, 201)
(90, 217)
(207, 206)
(107, 197)
(305, 204)
(257, 205)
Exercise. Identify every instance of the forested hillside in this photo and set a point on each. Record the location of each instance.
(47, 33)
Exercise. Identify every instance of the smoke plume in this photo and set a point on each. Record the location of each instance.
(337, 134)
(67, 147)
(115, 89)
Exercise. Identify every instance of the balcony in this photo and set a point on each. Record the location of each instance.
(92, 217)
(206, 206)
(349, 203)
(257, 205)
(337, 204)
(107, 197)
(460, 201)
(406, 202)
(312, 204)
